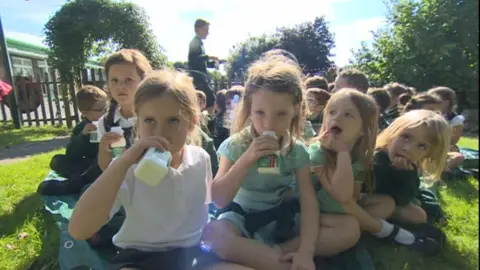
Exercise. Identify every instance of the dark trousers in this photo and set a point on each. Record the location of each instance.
(78, 175)
(190, 258)
(201, 83)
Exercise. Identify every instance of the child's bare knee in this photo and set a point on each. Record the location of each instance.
(420, 215)
(413, 214)
(387, 204)
(219, 234)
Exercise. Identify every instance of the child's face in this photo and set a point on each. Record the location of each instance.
(123, 80)
(203, 32)
(167, 122)
(343, 119)
(411, 144)
(272, 111)
(340, 83)
(312, 103)
(96, 111)
(202, 105)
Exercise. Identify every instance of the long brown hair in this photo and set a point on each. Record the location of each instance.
(363, 149)
(124, 56)
(279, 74)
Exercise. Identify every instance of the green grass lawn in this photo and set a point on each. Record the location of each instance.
(10, 136)
(21, 212)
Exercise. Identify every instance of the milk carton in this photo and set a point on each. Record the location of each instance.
(153, 166)
(118, 147)
(269, 164)
(94, 133)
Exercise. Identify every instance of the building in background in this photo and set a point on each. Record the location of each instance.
(31, 60)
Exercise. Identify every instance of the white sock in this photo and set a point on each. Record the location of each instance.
(385, 231)
(403, 236)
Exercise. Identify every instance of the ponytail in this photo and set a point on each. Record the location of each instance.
(109, 118)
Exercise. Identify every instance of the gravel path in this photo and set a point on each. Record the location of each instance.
(24, 151)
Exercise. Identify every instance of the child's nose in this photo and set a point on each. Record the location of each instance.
(269, 123)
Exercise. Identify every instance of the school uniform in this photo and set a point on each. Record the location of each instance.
(79, 165)
(327, 203)
(119, 120)
(220, 131)
(104, 236)
(198, 62)
(207, 145)
(402, 185)
(164, 223)
(262, 197)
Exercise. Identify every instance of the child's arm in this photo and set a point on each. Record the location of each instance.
(92, 210)
(309, 218)
(232, 170)
(104, 153)
(229, 177)
(340, 187)
(79, 142)
(457, 132)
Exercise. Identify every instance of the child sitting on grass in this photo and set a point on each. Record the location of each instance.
(220, 126)
(456, 121)
(79, 163)
(415, 143)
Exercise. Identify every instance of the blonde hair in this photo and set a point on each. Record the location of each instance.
(179, 86)
(278, 74)
(363, 149)
(438, 136)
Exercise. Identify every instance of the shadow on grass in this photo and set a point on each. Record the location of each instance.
(10, 137)
(460, 188)
(388, 256)
(29, 207)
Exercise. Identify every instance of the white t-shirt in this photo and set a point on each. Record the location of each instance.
(172, 214)
(117, 118)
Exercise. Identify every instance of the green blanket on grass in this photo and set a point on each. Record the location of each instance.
(73, 253)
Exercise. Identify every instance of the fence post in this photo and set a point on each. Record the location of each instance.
(17, 120)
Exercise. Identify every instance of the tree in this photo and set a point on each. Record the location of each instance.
(248, 51)
(310, 42)
(180, 65)
(81, 26)
(427, 43)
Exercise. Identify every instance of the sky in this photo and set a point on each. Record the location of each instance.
(232, 21)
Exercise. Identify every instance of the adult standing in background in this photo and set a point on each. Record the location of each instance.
(198, 62)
